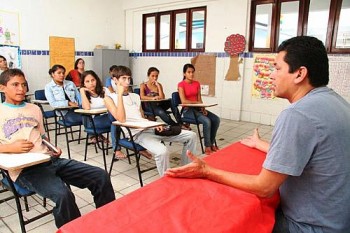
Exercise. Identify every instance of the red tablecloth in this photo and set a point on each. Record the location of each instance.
(188, 205)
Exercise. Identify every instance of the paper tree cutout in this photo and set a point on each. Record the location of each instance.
(235, 44)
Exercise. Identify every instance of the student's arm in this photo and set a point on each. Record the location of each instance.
(118, 112)
(160, 90)
(52, 100)
(199, 95)
(84, 100)
(18, 146)
(263, 185)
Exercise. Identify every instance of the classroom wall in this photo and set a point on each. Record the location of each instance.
(109, 21)
(90, 22)
(224, 17)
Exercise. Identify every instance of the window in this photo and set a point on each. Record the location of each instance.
(179, 30)
(273, 21)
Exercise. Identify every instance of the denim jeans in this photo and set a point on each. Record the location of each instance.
(49, 180)
(160, 110)
(210, 123)
(72, 116)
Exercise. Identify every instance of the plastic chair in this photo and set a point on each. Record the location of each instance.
(21, 192)
(96, 132)
(40, 95)
(175, 101)
(62, 123)
(130, 145)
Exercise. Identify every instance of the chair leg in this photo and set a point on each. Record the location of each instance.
(67, 140)
(86, 146)
(26, 203)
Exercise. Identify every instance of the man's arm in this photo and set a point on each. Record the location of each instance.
(263, 185)
(18, 146)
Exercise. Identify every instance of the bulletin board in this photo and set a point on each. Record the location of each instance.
(261, 81)
(12, 55)
(339, 79)
(62, 52)
(205, 73)
(9, 28)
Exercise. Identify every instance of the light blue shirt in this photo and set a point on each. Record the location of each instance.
(56, 96)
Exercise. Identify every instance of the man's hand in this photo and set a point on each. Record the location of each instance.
(20, 146)
(253, 140)
(160, 128)
(197, 169)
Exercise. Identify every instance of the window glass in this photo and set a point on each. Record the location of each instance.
(180, 30)
(197, 30)
(151, 33)
(263, 26)
(164, 32)
(343, 36)
(288, 20)
(318, 19)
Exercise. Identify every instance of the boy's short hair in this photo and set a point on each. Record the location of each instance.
(120, 71)
(8, 74)
(112, 68)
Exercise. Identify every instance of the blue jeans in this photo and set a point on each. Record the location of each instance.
(160, 110)
(72, 116)
(210, 123)
(49, 180)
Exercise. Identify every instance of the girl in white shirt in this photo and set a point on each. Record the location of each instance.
(92, 97)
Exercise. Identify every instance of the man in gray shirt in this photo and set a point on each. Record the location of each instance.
(308, 159)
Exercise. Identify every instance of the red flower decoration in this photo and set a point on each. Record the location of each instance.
(234, 44)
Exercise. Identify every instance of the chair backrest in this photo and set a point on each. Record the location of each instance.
(40, 95)
(175, 99)
(137, 90)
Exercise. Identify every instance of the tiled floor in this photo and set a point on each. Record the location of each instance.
(124, 176)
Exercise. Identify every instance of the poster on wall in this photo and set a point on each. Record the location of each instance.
(261, 82)
(339, 69)
(62, 51)
(12, 55)
(9, 28)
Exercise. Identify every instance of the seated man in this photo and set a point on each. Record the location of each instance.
(308, 159)
(125, 106)
(22, 132)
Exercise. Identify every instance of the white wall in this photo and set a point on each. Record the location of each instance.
(90, 22)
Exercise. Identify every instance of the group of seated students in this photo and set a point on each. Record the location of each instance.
(51, 179)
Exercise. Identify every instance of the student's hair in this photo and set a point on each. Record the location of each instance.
(309, 52)
(3, 57)
(120, 71)
(186, 67)
(76, 63)
(56, 67)
(8, 74)
(112, 68)
(152, 69)
(99, 87)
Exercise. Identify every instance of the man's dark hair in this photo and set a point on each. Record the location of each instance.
(8, 74)
(309, 52)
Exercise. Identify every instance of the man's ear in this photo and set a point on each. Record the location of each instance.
(301, 74)
(2, 87)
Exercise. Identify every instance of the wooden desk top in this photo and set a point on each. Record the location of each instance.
(91, 111)
(139, 124)
(198, 105)
(12, 162)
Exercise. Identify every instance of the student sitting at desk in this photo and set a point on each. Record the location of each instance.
(92, 97)
(125, 106)
(63, 93)
(308, 159)
(22, 131)
(190, 93)
(153, 90)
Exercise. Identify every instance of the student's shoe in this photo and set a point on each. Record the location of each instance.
(208, 150)
(214, 148)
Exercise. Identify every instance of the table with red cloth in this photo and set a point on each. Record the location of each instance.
(188, 205)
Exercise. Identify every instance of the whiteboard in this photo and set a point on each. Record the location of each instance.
(339, 75)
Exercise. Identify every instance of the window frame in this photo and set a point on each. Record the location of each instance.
(332, 28)
(189, 18)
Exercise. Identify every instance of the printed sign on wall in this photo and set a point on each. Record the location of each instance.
(261, 82)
